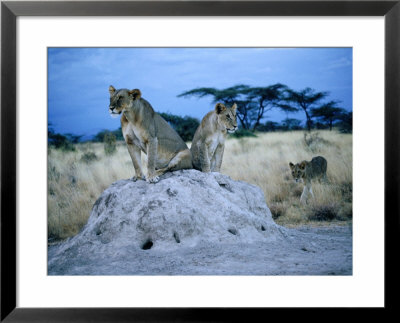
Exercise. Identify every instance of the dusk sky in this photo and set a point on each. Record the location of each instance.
(78, 79)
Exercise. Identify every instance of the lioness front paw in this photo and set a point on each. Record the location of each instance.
(152, 179)
(135, 178)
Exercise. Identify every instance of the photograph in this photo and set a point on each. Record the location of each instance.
(168, 161)
(199, 161)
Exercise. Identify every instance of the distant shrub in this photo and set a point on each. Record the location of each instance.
(100, 136)
(346, 211)
(277, 210)
(346, 123)
(326, 212)
(243, 133)
(291, 124)
(59, 141)
(346, 190)
(268, 127)
(110, 143)
(73, 138)
(89, 157)
(184, 126)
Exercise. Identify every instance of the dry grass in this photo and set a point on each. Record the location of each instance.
(76, 179)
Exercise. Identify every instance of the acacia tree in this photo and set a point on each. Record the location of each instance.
(346, 122)
(305, 100)
(252, 103)
(244, 108)
(265, 99)
(328, 113)
(227, 96)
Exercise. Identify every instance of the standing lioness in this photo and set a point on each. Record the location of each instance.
(144, 130)
(308, 171)
(209, 139)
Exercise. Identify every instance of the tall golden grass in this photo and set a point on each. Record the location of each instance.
(76, 179)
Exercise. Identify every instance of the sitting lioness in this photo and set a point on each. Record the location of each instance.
(209, 139)
(144, 130)
(308, 171)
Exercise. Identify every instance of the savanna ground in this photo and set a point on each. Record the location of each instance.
(76, 179)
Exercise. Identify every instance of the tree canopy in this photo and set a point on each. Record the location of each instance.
(305, 100)
(328, 113)
(252, 102)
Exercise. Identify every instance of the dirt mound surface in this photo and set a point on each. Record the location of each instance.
(194, 223)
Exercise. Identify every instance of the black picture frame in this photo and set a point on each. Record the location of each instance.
(10, 10)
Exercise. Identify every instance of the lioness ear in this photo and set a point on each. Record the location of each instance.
(291, 165)
(219, 107)
(234, 107)
(111, 89)
(136, 94)
(303, 165)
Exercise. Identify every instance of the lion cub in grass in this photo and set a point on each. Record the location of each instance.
(209, 139)
(308, 171)
(144, 130)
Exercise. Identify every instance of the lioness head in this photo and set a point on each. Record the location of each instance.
(227, 116)
(121, 100)
(298, 170)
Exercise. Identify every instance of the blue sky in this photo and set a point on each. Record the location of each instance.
(78, 79)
